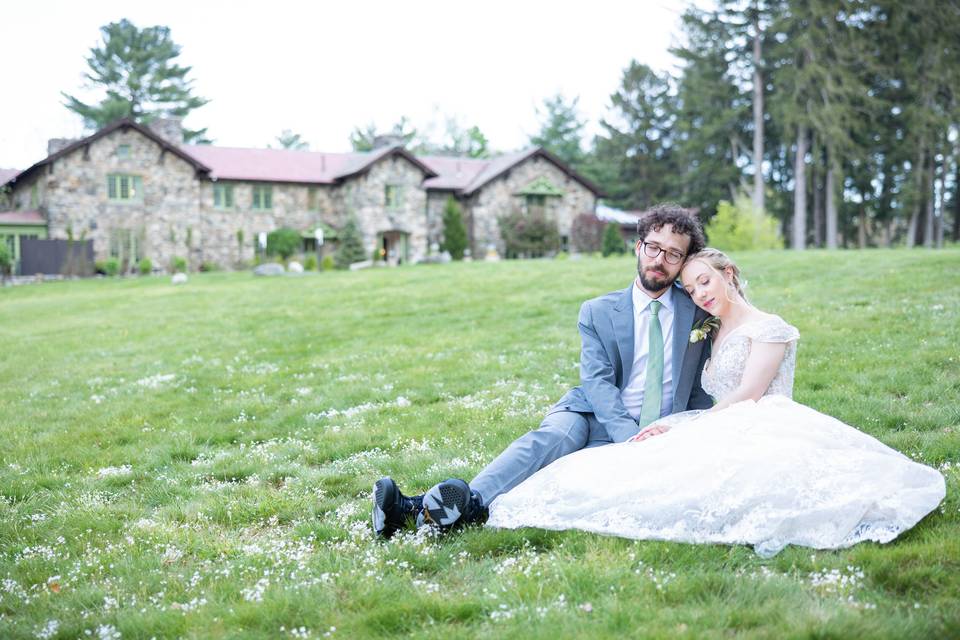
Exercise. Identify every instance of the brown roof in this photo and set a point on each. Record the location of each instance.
(284, 165)
(462, 175)
(22, 217)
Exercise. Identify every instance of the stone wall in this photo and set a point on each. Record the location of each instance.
(73, 196)
(499, 198)
(290, 208)
(364, 196)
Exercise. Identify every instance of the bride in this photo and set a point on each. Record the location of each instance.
(757, 468)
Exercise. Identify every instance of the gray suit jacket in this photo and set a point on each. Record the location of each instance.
(606, 357)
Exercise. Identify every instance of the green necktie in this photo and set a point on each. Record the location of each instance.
(653, 385)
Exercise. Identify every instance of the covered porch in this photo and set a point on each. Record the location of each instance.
(17, 225)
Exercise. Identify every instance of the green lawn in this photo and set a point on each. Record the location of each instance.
(196, 461)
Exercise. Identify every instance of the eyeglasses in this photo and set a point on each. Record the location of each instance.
(671, 257)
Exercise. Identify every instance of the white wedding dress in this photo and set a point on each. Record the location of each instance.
(767, 473)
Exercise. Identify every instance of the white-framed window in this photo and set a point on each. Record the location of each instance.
(122, 187)
(262, 197)
(222, 196)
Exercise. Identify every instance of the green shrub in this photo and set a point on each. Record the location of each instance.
(178, 264)
(586, 233)
(6, 259)
(454, 231)
(351, 245)
(739, 227)
(612, 240)
(328, 264)
(283, 242)
(145, 266)
(111, 266)
(528, 235)
(310, 263)
(209, 265)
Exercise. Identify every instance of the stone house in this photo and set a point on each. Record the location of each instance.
(138, 192)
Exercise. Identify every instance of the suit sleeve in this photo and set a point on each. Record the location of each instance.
(598, 381)
(700, 399)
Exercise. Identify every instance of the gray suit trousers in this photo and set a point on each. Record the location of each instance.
(561, 433)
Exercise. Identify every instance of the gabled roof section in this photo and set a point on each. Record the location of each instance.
(367, 160)
(468, 175)
(8, 174)
(122, 124)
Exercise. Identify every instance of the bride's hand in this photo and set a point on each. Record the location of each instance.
(650, 431)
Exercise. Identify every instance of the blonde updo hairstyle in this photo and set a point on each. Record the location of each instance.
(721, 263)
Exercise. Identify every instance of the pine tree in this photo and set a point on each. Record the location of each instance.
(712, 117)
(561, 130)
(136, 69)
(290, 140)
(351, 245)
(633, 159)
(454, 231)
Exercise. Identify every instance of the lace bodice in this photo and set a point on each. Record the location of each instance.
(724, 370)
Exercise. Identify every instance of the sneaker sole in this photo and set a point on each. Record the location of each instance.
(378, 516)
(444, 504)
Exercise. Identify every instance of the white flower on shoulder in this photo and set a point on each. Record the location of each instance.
(705, 329)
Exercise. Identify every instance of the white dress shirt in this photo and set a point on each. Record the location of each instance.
(632, 394)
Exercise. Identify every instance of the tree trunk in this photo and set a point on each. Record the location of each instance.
(758, 195)
(831, 189)
(800, 191)
(939, 213)
(928, 218)
(816, 181)
(918, 200)
(862, 228)
(956, 203)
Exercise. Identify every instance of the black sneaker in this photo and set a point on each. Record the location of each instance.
(450, 503)
(391, 509)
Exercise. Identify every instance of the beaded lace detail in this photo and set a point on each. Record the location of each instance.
(724, 370)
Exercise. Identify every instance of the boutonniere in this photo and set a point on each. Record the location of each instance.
(705, 329)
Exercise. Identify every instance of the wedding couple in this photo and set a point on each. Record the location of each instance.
(641, 450)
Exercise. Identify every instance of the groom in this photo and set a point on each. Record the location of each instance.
(636, 365)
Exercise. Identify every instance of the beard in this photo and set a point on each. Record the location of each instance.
(652, 282)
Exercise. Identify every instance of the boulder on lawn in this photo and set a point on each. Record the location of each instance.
(269, 269)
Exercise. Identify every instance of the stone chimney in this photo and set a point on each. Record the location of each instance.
(56, 144)
(387, 140)
(170, 129)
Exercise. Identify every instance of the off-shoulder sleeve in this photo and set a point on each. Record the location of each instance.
(772, 330)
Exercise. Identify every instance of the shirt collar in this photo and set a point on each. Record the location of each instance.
(641, 300)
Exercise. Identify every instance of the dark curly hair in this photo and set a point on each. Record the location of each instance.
(683, 221)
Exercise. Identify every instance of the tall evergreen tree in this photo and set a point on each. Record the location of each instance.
(633, 156)
(351, 245)
(454, 231)
(561, 129)
(712, 117)
(136, 69)
(290, 140)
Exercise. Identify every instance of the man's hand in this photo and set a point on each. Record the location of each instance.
(649, 431)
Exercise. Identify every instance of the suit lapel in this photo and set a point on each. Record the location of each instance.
(684, 310)
(623, 330)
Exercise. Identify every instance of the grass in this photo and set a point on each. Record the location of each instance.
(196, 461)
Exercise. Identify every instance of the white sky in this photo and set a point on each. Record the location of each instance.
(323, 68)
